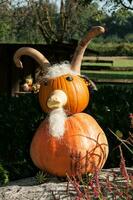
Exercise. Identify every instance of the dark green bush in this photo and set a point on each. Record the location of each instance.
(124, 49)
(113, 49)
(20, 117)
(4, 177)
(111, 106)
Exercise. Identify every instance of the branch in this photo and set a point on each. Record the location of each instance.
(49, 24)
(70, 11)
(44, 34)
(122, 142)
(43, 29)
(46, 31)
(125, 6)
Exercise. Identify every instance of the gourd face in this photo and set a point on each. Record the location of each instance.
(83, 146)
(75, 88)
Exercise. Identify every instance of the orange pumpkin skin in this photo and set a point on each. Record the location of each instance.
(76, 90)
(83, 147)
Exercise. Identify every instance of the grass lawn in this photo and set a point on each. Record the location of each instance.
(117, 61)
(123, 62)
(108, 74)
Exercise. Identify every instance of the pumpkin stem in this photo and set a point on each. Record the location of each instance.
(79, 52)
(43, 62)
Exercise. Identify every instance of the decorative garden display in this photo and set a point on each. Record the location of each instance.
(68, 141)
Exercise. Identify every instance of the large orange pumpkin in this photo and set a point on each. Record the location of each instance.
(75, 88)
(83, 147)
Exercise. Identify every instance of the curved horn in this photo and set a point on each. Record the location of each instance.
(79, 52)
(43, 62)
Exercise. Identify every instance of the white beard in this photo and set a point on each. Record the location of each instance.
(56, 120)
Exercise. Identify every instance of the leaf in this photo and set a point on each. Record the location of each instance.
(119, 134)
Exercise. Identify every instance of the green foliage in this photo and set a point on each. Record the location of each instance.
(111, 106)
(124, 49)
(113, 49)
(19, 119)
(129, 37)
(47, 21)
(41, 177)
(4, 176)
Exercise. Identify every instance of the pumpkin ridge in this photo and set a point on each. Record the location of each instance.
(49, 91)
(95, 140)
(77, 91)
(78, 121)
(102, 155)
(85, 91)
(54, 83)
(66, 89)
(76, 116)
(74, 152)
(76, 106)
(81, 100)
(92, 151)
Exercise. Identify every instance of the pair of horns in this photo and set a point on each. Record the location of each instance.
(76, 60)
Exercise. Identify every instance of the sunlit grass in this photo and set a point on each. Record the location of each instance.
(117, 61)
(123, 62)
(109, 74)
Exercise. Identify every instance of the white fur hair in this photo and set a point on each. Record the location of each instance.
(55, 70)
(57, 119)
(59, 70)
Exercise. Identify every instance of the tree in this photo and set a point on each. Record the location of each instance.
(124, 4)
(24, 25)
(57, 24)
(5, 21)
(115, 4)
(45, 21)
(71, 21)
(18, 23)
(120, 23)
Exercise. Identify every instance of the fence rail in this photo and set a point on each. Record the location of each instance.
(98, 61)
(114, 81)
(105, 67)
(98, 64)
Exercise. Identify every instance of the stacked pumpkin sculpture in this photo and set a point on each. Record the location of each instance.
(68, 141)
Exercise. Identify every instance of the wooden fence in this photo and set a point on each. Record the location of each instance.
(106, 64)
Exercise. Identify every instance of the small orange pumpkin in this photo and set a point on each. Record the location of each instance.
(83, 147)
(75, 88)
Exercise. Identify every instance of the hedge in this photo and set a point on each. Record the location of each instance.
(19, 118)
(113, 49)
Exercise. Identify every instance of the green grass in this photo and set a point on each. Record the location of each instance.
(123, 63)
(108, 74)
(118, 61)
